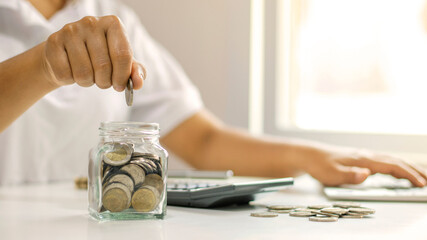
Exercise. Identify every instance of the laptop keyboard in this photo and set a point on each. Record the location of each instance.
(379, 187)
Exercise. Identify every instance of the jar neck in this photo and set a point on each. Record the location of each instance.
(131, 131)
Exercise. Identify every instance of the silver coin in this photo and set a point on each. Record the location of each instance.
(116, 197)
(353, 216)
(117, 154)
(357, 214)
(129, 92)
(135, 172)
(301, 214)
(302, 210)
(339, 211)
(323, 219)
(153, 165)
(279, 211)
(346, 204)
(145, 199)
(362, 210)
(105, 169)
(159, 168)
(151, 156)
(319, 206)
(108, 174)
(123, 179)
(284, 207)
(155, 181)
(317, 212)
(264, 214)
(145, 165)
(147, 168)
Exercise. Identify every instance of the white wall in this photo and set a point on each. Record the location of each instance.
(210, 38)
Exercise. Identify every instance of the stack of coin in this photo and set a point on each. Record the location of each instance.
(149, 162)
(319, 212)
(81, 182)
(130, 179)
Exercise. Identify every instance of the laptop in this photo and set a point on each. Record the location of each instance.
(378, 187)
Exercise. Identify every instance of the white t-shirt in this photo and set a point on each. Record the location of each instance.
(51, 140)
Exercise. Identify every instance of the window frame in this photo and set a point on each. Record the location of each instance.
(276, 78)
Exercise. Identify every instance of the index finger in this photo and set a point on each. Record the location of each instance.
(120, 52)
(419, 169)
(395, 168)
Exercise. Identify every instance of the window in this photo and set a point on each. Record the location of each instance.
(348, 72)
(359, 66)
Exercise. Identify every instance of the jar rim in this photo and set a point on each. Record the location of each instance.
(128, 127)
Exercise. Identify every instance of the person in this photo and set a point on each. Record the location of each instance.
(63, 65)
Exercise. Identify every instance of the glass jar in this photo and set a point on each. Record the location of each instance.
(127, 172)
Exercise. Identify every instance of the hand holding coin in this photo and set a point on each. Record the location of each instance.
(93, 50)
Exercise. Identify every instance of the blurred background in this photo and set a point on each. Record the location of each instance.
(351, 72)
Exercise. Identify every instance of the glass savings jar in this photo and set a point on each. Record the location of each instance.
(127, 172)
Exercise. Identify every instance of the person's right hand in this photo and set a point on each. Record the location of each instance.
(349, 166)
(93, 50)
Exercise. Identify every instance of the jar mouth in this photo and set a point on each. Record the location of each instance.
(118, 128)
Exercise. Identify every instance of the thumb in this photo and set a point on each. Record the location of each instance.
(138, 75)
(352, 175)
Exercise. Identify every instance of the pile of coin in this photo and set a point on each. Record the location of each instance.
(319, 212)
(130, 179)
(80, 182)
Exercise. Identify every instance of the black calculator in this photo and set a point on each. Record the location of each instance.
(189, 193)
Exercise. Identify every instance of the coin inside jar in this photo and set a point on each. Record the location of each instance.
(123, 179)
(135, 172)
(116, 197)
(118, 154)
(145, 155)
(148, 168)
(145, 199)
(155, 181)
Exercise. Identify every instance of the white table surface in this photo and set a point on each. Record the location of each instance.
(59, 211)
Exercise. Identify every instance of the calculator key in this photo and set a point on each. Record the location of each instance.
(202, 185)
(192, 186)
(181, 186)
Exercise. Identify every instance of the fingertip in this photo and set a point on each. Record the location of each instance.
(137, 81)
(358, 175)
(361, 176)
(119, 88)
(138, 75)
(421, 182)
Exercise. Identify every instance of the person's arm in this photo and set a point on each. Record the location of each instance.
(90, 51)
(22, 83)
(206, 143)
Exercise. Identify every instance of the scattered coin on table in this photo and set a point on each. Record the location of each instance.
(264, 214)
(284, 207)
(338, 211)
(319, 206)
(320, 212)
(323, 219)
(279, 211)
(301, 214)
